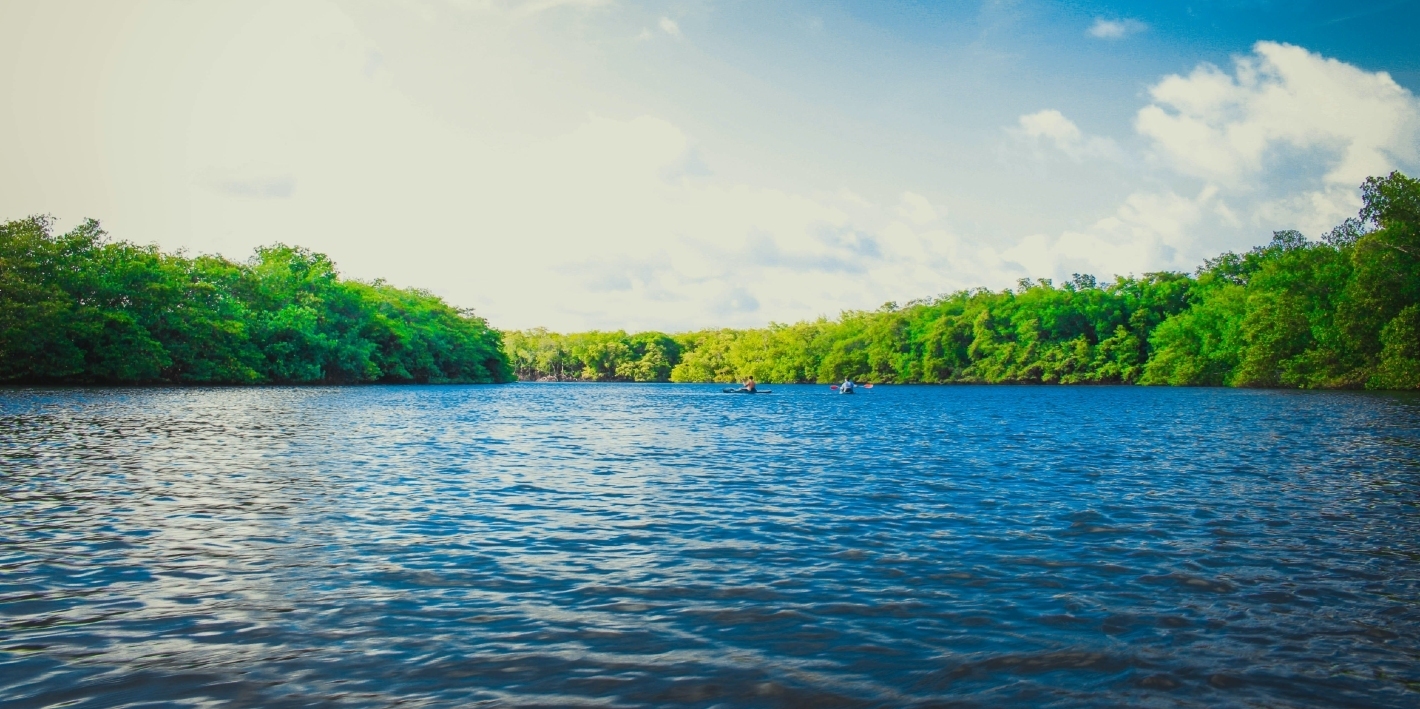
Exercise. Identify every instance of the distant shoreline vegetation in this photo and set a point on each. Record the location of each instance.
(1344, 312)
(77, 308)
(1340, 313)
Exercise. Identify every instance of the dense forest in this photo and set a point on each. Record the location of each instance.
(78, 308)
(1342, 312)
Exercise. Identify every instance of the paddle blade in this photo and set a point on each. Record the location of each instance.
(833, 386)
(867, 386)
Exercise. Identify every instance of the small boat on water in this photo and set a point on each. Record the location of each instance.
(747, 391)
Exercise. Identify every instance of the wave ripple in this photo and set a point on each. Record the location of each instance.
(646, 546)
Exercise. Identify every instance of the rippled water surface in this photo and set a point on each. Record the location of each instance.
(646, 546)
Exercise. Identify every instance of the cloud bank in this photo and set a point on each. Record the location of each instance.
(223, 127)
(1281, 141)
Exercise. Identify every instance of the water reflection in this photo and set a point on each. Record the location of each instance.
(558, 545)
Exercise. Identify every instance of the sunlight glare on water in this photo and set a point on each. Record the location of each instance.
(655, 545)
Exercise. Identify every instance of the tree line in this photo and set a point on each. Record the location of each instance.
(1342, 312)
(79, 308)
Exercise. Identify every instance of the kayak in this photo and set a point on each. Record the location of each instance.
(746, 391)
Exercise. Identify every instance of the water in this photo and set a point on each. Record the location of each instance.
(647, 546)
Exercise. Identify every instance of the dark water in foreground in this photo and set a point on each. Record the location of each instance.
(558, 545)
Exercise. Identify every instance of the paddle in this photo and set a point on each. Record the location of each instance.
(860, 386)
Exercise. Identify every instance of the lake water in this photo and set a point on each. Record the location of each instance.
(668, 545)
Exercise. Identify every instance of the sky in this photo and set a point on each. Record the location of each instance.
(682, 164)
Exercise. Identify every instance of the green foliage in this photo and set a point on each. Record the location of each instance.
(1198, 347)
(1080, 333)
(1334, 314)
(705, 357)
(1399, 366)
(1341, 312)
(592, 356)
(78, 308)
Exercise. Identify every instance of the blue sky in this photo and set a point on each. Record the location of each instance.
(610, 164)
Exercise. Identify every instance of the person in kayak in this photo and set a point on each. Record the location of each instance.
(749, 385)
(846, 387)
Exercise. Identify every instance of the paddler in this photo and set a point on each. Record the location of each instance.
(749, 385)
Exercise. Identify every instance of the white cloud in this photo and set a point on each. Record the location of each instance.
(670, 27)
(1282, 99)
(218, 127)
(255, 186)
(1115, 29)
(1065, 136)
(916, 208)
(1051, 124)
(1150, 231)
(1282, 142)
